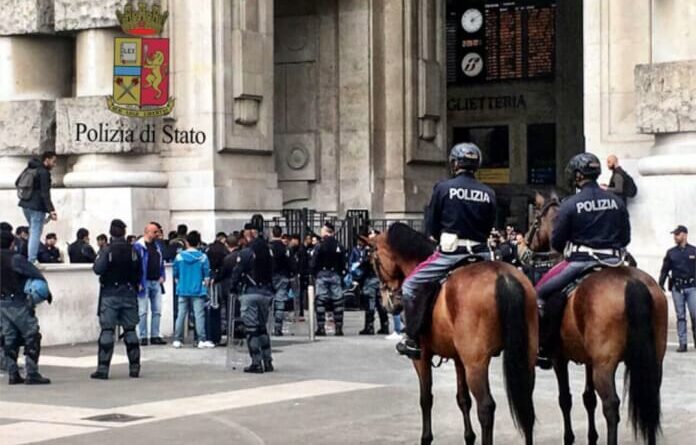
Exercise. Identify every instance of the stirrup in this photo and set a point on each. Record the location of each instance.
(409, 348)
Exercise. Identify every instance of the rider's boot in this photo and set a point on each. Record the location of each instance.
(417, 312)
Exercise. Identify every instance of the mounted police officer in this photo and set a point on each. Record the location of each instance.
(281, 277)
(254, 275)
(17, 313)
(329, 262)
(592, 227)
(461, 215)
(680, 263)
(119, 268)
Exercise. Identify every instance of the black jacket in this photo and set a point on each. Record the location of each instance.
(47, 255)
(118, 265)
(281, 258)
(461, 205)
(329, 255)
(594, 218)
(216, 253)
(41, 196)
(14, 272)
(81, 252)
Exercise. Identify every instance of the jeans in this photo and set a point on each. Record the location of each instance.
(153, 295)
(397, 323)
(682, 299)
(182, 316)
(36, 219)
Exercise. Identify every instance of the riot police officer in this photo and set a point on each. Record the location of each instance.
(19, 320)
(362, 261)
(281, 278)
(329, 262)
(119, 270)
(254, 275)
(460, 215)
(592, 227)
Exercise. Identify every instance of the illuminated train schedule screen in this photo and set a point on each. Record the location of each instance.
(505, 40)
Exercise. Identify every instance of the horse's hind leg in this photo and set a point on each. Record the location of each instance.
(565, 399)
(603, 378)
(477, 379)
(589, 398)
(425, 376)
(464, 402)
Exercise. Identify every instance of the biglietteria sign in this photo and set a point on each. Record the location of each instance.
(141, 64)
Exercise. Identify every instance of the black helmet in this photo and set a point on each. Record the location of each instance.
(586, 164)
(466, 156)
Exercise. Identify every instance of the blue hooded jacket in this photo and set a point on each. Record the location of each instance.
(190, 269)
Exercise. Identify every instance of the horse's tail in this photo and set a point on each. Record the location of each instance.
(643, 370)
(510, 298)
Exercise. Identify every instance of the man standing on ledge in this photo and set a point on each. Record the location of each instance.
(119, 270)
(34, 189)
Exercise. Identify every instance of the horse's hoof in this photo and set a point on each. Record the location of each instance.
(569, 439)
(470, 440)
(426, 440)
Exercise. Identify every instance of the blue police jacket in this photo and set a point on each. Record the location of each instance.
(681, 261)
(594, 218)
(461, 205)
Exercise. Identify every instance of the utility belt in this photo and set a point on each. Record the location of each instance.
(116, 284)
(451, 243)
(578, 249)
(683, 283)
(328, 269)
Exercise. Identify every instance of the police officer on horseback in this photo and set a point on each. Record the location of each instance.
(461, 215)
(592, 229)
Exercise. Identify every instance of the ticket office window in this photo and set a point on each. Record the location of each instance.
(541, 154)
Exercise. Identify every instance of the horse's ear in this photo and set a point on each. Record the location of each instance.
(365, 239)
(539, 199)
(555, 197)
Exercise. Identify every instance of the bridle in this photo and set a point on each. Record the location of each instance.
(384, 277)
(534, 230)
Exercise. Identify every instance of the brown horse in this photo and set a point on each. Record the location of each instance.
(482, 309)
(616, 314)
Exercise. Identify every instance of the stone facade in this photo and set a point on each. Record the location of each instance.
(328, 104)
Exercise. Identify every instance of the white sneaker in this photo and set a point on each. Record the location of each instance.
(394, 336)
(177, 344)
(206, 345)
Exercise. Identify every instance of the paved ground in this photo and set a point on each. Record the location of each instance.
(351, 390)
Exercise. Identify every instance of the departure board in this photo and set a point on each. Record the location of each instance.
(500, 40)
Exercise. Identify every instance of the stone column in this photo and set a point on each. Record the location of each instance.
(28, 52)
(666, 108)
(113, 170)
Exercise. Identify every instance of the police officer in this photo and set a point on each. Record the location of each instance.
(254, 275)
(281, 277)
(19, 320)
(592, 227)
(681, 262)
(370, 290)
(329, 262)
(119, 269)
(460, 215)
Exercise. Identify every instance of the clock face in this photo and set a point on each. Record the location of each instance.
(472, 20)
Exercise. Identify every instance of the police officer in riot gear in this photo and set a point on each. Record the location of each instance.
(592, 227)
(119, 270)
(254, 275)
(281, 277)
(17, 313)
(461, 215)
(329, 262)
(369, 283)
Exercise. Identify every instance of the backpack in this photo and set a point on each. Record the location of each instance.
(25, 183)
(630, 189)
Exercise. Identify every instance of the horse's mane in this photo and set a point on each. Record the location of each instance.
(408, 243)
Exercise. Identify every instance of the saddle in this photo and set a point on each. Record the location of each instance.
(582, 276)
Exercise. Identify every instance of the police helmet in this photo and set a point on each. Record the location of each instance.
(37, 290)
(465, 156)
(586, 164)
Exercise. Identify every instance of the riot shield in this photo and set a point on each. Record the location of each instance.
(237, 352)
